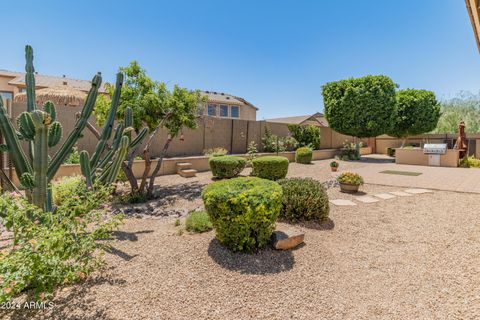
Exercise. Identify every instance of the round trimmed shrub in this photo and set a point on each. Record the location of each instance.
(304, 199)
(227, 166)
(270, 167)
(243, 211)
(303, 155)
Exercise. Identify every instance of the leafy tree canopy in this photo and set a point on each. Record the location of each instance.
(306, 135)
(151, 102)
(465, 106)
(417, 112)
(360, 107)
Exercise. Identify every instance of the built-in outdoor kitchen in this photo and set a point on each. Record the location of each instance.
(435, 154)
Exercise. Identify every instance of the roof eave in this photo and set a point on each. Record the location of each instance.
(471, 14)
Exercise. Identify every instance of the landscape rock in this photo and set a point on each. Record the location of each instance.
(287, 239)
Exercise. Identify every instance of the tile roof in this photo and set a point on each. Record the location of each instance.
(49, 81)
(221, 97)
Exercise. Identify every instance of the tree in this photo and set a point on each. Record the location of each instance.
(465, 106)
(417, 112)
(360, 107)
(306, 135)
(155, 107)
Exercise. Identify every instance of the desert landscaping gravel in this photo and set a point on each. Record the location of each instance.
(411, 257)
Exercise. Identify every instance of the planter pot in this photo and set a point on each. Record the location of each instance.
(349, 188)
(334, 169)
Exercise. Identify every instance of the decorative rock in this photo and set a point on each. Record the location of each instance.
(287, 239)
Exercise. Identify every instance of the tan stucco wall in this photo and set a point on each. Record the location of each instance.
(416, 156)
(4, 86)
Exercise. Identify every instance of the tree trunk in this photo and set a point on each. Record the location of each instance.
(157, 168)
(128, 169)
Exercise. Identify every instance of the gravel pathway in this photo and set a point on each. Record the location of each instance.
(404, 258)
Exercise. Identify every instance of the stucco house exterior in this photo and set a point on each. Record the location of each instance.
(223, 105)
(13, 83)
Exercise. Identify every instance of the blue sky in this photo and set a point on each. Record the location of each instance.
(275, 54)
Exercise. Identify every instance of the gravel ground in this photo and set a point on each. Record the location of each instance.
(405, 258)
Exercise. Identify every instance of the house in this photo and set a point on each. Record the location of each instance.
(223, 105)
(13, 83)
(316, 119)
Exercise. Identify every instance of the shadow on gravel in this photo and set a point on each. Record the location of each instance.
(77, 304)
(265, 262)
(365, 159)
(130, 236)
(119, 253)
(187, 191)
(326, 225)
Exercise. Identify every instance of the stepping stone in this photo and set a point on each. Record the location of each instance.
(343, 202)
(287, 239)
(366, 199)
(384, 196)
(400, 193)
(418, 191)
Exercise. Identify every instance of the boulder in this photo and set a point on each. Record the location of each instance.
(287, 239)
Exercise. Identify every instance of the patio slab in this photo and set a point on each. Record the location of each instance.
(384, 196)
(366, 199)
(342, 202)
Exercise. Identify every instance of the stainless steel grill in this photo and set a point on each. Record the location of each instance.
(435, 148)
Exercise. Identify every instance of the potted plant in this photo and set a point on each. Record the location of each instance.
(349, 182)
(334, 166)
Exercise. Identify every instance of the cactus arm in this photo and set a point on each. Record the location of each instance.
(117, 163)
(108, 127)
(74, 135)
(49, 108)
(139, 138)
(30, 83)
(85, 167)
(16, 153)
(25, 126)
(54, 134)
(41, 121)
(113, 148)
(49, 201)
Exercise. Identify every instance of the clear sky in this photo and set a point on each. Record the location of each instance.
(276, 54)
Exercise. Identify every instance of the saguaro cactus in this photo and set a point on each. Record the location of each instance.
(41, 130)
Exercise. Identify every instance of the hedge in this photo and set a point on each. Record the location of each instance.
(304, 199)
(227, 166)
(243, 211)
(303, 155)
(270, 167)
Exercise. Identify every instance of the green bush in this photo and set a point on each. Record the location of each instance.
(350, 178)
(349, 152)
(73, 157)
(227, 166)
(52, 248)
(67, 187)
(303, 155)
(391, 152)
(306, 135)
(270, 167)
(469, 162)
(304, 199)
(198, 221)
(243, 211)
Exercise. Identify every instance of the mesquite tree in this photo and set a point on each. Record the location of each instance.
(360, 107)
(417, 112)
(155, 107)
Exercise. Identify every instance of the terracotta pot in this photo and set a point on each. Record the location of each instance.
(349, 188)
(334, 169)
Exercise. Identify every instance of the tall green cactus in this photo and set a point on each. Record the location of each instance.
(41, 130)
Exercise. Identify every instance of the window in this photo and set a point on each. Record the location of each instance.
(235, 111)
(223, 110)
(23, 90)
(212, 110)
(6, 95)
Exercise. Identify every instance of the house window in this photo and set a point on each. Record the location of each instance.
(223, 110)
(234, 111)
(6, 95)
(212, 110)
